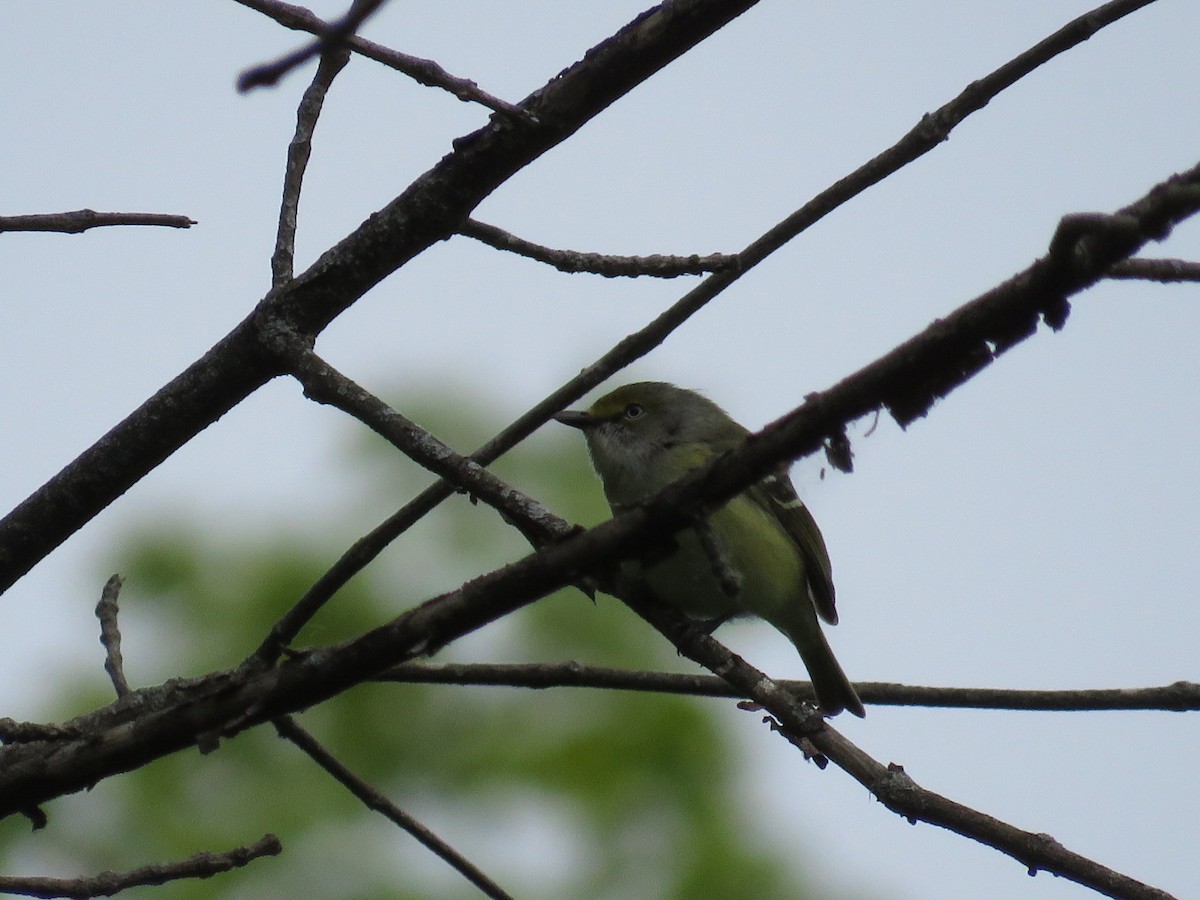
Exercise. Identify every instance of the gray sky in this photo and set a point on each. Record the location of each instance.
(1038, 529)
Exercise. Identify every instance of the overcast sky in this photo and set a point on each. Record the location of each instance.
(1037, 529)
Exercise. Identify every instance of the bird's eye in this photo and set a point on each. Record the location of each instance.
(633, 411)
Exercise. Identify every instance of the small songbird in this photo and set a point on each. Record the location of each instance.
(759, 554)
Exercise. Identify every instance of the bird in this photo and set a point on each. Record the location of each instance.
(759, 554)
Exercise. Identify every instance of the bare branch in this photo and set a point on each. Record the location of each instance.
(1181, 696)
(110, 634)
(290, 729)
(332, 37)
(803, 725)
(82, 219)
(238, 364)
(423, 71)
(655, 266)
(429, 210)
(234, 703)
(907, 382)
(298, 154)
(325, 384)
(932, 130)
(226, 703)
(425, 213)
(202, 865)
(1166, 271)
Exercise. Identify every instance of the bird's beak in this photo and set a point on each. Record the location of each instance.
(575, 418)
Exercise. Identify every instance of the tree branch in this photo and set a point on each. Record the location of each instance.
(931, 131)
(423, 71)
(906, 382)
(1166, 271)
(327, 385)
(82, 219)
(893, 787)
(332, 37)
(299, 150)
(202, 865)
(288, 728)
(655, 266)
(1181, 696)
(200, 712)
(429, 210)
(110, 634)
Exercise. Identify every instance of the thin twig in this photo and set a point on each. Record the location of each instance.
(927, 134)
(333, 36)
(327, 385)
(610, 266)
(423, 71)
(1166, 271)
(290, 729)
(202, 865)
(110, 634)
(82, 219)
(299, 150)
(1181, 696)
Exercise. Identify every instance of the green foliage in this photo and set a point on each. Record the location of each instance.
(564, 793)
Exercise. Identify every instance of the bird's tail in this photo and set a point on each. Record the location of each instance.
(834, 690)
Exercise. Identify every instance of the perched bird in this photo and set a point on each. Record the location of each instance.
(759, 554)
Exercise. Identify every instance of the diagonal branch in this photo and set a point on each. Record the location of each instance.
(890, 784)
(327, 385)
(290, 729)
(332, 38)
(423, 71)
(429, 210)
(200, 712)
(932, 130)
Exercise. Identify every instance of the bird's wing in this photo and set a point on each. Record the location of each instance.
(777, 494)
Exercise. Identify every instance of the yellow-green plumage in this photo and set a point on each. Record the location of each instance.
(760, 554)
